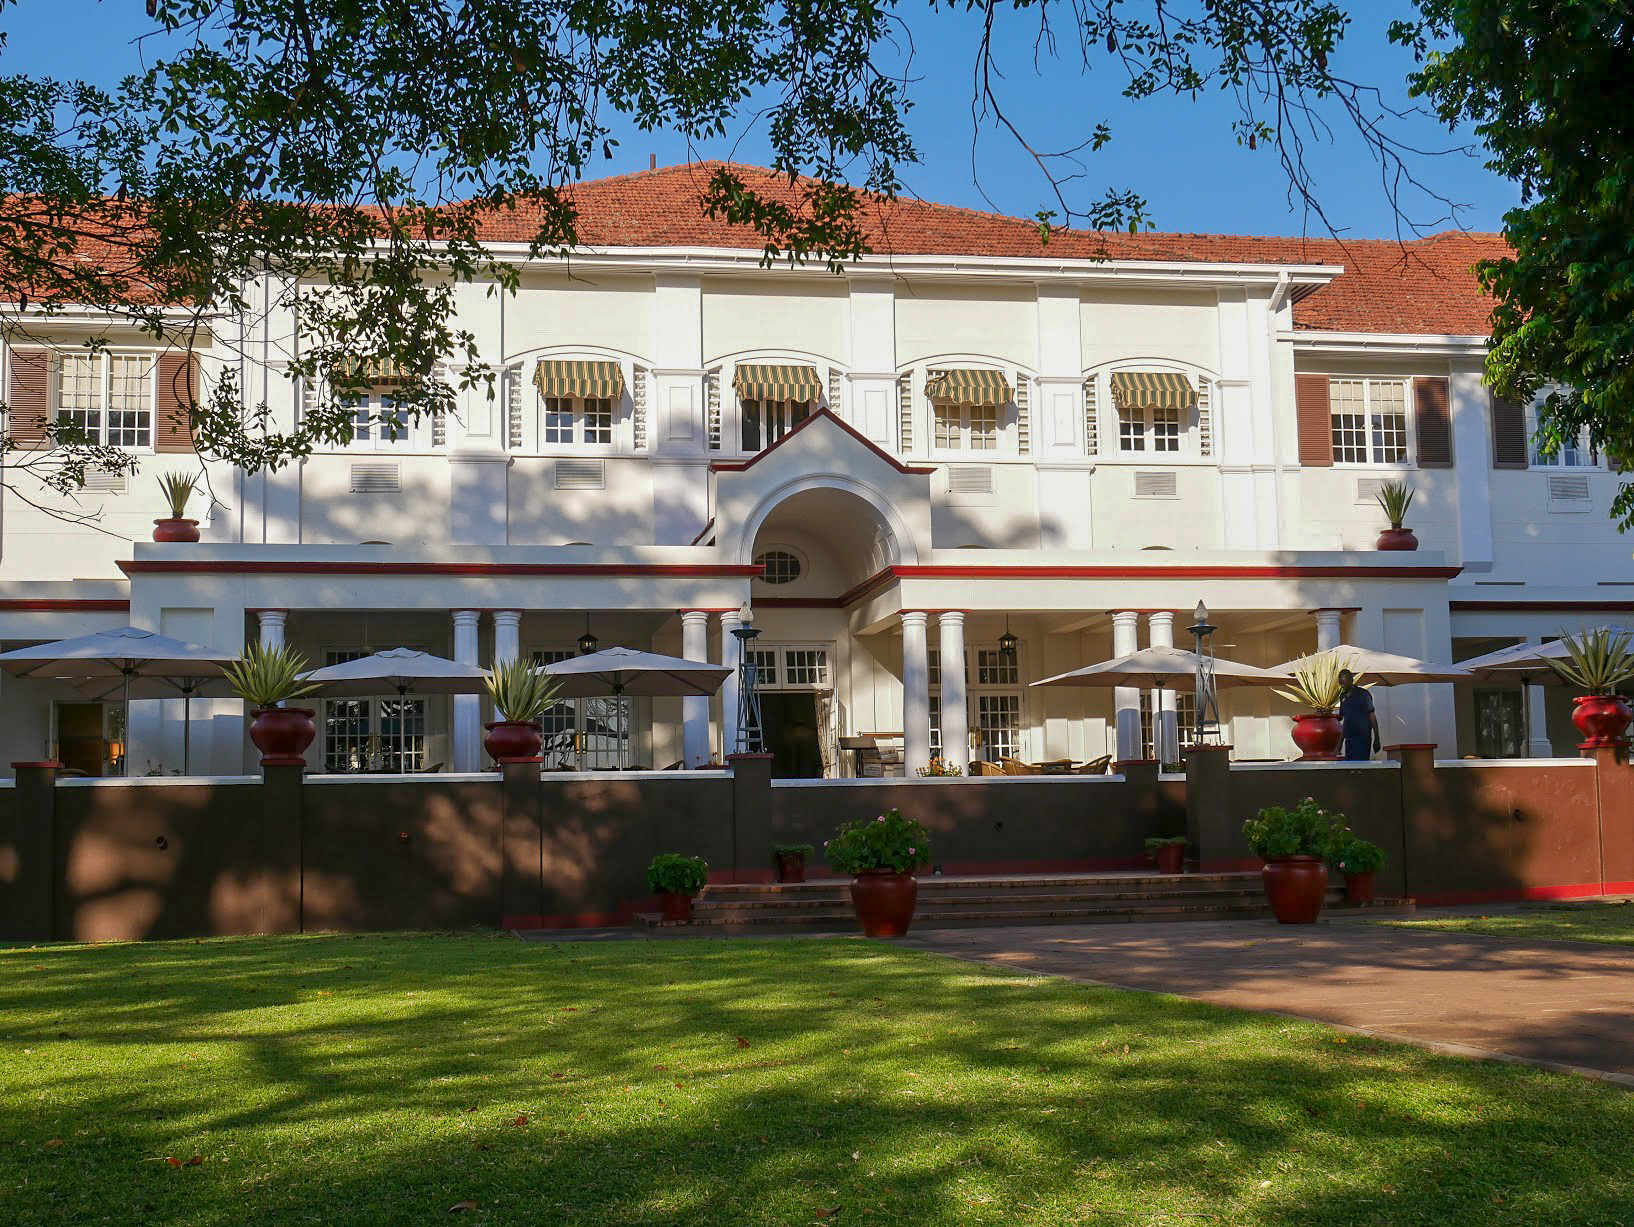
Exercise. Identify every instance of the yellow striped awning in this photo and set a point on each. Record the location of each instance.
(376, 373)
(765, 382)
(591, 380)
(1153, 390)
(967, 387)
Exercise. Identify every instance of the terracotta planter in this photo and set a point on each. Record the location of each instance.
(1171, 858)
(884, 901)
(1602, 719)
(1318, 736)
(1396, 539)
(791, 867)
(511, 739)
(282, 734)
(175, 530)
(675, 906)
(1359, 887)
(1295, 886)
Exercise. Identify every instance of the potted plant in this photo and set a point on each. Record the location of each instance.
(676, 879)
(791, 861)
(881, 854)
(1358, 860)
(1294, 844)
(1599, 661)
(1394, 498)
(521, 693)
(177, 489)
(1169, 851)
(1317, 732)
(267, 678)
(941, 766)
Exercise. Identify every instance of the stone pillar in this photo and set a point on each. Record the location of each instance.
(507, 635)
(695, 709)
(467, 707)
(955, 714)
(272, 627)
(28, 874)
(915, 693)
(1327, 629)
(1165, 726)
(1126, 699)
(731, 657)
(1214, 838)
(1536, 698)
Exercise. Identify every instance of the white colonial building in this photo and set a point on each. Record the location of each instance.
(966, 435)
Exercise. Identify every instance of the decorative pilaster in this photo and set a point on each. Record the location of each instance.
(915, 693)
(731, 656)
(467, 707)
(955, 713)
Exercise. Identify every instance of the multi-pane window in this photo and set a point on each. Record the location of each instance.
(565, 420)
(779, 567)
(998, 720)
(377, 423)
(1576, 453)
(994, 668)
(108, 396)
(966, 427)
(385, 734)
(1185, 708)
(790, 668)
(1369, 420)
(994, 696)
(1154, 429)
(594, 732)
(767, 421)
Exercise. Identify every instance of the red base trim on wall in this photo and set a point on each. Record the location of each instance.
(1526, 894)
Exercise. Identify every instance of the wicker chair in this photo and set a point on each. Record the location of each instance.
(1096, 766)
(1014, 766)
(980, 767)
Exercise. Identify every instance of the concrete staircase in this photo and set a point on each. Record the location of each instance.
(948, 902)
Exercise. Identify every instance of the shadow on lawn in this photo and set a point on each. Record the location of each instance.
(967, 1094)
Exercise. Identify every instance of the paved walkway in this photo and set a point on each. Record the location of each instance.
(1562, 1005)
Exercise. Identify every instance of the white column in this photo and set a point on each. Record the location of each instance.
(1126, 699)
(1165, 730)
(915, 693)
(695, 709)
(272, 627)
(955, 715)
(507, 635)
(730, 656)
(467, 707)
(1538, 744)
(1327, 629)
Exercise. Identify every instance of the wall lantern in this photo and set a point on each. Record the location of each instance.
(1007, 642)
(587, 641)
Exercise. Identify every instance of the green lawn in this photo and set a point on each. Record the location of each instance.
(1578, 922)
(384, 1079)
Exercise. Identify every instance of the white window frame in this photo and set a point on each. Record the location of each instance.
(776, 419)
(962, 432)
(975, 690)
(1583, 456)
(777, 676)
(104, 361)
(1409, 458)
(374, 714)
(1141, 424)
(577, 411)
(605, 756)
(372, 435)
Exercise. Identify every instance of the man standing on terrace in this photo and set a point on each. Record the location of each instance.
(1357, 719)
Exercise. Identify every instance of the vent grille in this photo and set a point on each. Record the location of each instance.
(1368, 489)
(581, 475)
(1568, 488)
(638, 403)
(377, 477)
(104, 483)
(1092, 428)
(1024, 417)
(712, 389)
(904, 413)
(970, 479)
(1155, 483)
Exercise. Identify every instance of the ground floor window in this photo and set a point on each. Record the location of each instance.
(1500, 724)
(993, 700)
(384, 735)
(1186, 707)
(593, 733)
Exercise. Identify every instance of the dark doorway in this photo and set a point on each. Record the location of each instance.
(789, 718)
(80, 743)
(1500, 724)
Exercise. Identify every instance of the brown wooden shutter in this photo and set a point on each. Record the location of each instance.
(29, 400)
(1315, 417)
(1434, 422)
(1508, 434)
(178, 392)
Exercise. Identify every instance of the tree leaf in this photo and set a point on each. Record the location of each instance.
(459, 1207)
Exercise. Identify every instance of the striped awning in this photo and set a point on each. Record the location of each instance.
(799, 383)
(1153, 390)
(964, 387)
(378, 373)
(590, 380)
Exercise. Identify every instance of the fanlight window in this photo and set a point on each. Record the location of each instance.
(781, 567)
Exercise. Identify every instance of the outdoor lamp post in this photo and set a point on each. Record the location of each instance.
(1207, 708)
(750, 739)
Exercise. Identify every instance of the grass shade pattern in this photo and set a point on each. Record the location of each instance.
(1609, 923)
(387, 1079)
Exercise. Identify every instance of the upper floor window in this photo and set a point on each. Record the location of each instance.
(1576, 454)
(1369, 421)
(108, 396)
(578, 401)
(1154, 409)
(773, 399)
(967, 408)
(767, 421)
(377, 423)
(967, 427)
(575, 419)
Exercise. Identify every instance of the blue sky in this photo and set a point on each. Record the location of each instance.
(1181, 155)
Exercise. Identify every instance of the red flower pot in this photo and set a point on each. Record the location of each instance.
(1295, 886)
(282, 734)
(1359, 887)
(791, 867)
(675, 906)
(1171, 858)
(1318, 736)
(175, 530)
(884, 901)
(1396, 539)
(1602, 719)
(511, 739)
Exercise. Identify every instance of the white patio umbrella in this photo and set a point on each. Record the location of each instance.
(127, 661)
(1387, 669)
(397, 669)
(623, 672)
(1528, 664)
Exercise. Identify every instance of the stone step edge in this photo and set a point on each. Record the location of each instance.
(1128, 898)
(847, 918)
(1002, 882)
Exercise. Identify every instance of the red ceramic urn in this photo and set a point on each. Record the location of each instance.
(884, 900)
(512, 739)
(1318, 736)
(1602, 719)
(175, 530)
(282, 734)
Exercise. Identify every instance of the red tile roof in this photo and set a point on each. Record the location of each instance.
(1420, 286)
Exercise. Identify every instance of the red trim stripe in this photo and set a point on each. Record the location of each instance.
(666, 570)
(63, 605)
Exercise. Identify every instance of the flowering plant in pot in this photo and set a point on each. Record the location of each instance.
(177, 489)
(1316, 685)
(1294, 844)
(881, 854)
(1169, 851)
(1357, 859)
(1599, 661)
(1394, 498)
(942, 766)
(267, 678)
(521, 693)
(676, 879)
(791, 861)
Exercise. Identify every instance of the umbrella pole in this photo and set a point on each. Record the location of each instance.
(1526, 714)
(124, 759)
(187, 730)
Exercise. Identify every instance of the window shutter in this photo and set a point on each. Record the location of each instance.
(1024, 421)
(1434, 422)
(178, 394)
(1092, 429)
(1315, 421)
(1508, 434)
(904, 413)
(29, 397)
(638, 405)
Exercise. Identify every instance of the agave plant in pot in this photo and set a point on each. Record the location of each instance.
(1598, 661)
(881, 854)
(521, 694)
(1394, 498)
(1295, 845)
(266, 678)
(1316, 686)
(1357, 860)
(178, 489)
(676, 880)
